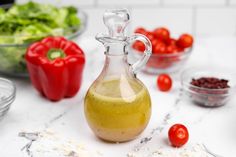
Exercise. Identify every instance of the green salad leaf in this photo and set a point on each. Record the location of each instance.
(23, 24)
(35, 21)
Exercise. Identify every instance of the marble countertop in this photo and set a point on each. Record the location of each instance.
(213, 127)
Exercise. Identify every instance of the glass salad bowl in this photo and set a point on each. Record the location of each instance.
(208, 97)
(12, 62)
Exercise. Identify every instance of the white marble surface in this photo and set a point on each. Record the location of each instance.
(214, 127)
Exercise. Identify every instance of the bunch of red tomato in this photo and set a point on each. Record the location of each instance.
(162, 43)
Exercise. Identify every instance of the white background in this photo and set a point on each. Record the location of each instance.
(199, 17)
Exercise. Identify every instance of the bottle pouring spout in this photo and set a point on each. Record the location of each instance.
(116, 43)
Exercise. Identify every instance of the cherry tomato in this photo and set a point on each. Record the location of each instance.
(150, 35)
(139, 46)
(180, 50)
(159, 48)
(140, 30)
(178, 135)
(171, 41)
(162, 33)
(164, 82)
(171, 49)
(155, 42)
(185, 41)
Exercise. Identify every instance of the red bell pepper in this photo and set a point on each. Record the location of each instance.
(55, 66)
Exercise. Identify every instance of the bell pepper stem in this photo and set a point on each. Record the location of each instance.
(55, 53)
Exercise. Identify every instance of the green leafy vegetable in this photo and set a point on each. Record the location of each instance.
(30, 22)
(34, 19)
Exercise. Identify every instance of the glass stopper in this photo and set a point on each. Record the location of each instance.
(116, 20)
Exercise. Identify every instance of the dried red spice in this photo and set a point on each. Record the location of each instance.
(212, 91)
(210, 83)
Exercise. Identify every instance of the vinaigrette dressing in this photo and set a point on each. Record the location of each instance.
(120, 115)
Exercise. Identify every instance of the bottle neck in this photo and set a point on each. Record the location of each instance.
(116, 66)
(116, 49)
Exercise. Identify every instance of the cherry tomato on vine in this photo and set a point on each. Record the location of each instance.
(164, 82)
(185, 41)
(178, 135)
(162, 33)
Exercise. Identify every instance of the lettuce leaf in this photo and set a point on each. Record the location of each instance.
(33, 21)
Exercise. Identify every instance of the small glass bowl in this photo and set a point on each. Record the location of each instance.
(7, 96)
(164, 63)
(204, 96)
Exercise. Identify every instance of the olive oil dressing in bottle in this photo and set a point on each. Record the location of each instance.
(117, 104)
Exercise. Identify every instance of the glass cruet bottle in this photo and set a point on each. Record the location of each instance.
(118, 105)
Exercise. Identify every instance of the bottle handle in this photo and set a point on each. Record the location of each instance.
(146, 54)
